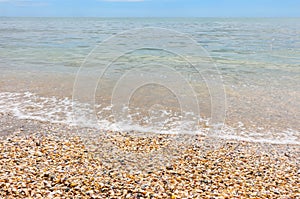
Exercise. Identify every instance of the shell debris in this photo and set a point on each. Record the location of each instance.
(49, 166)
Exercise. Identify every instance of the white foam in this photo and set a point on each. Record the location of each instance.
(30, 106)
(55, 110)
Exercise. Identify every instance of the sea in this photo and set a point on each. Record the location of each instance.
(227, 78)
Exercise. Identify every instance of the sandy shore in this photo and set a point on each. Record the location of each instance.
(39, 160)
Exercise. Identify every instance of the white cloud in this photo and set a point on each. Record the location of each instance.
(123, 0)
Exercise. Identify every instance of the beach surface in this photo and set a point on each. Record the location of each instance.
(42, 160)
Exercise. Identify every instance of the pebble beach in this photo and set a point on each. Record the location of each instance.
(96, 107)
(39, 160)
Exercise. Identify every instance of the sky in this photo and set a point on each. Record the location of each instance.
(150, 8)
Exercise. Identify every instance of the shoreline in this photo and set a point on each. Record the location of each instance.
(39, 159)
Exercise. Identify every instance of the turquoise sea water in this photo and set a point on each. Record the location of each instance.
(257, 59)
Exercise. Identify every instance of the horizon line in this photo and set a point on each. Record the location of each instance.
(150, 16)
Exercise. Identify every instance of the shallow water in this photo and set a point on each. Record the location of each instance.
(229, 78)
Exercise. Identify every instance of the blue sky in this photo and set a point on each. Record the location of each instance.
(151, 8)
